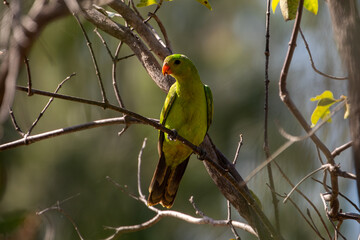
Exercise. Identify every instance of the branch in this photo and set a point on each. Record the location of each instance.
(141, 28)
(62, 131)
(326, 166)
(169, 213)
(136, 45)
(312, 62)
(58, 208)
(284, 94)
(266, 109)
(25, 30)
(96, 67)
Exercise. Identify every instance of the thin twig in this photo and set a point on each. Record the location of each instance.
(319, 155)
(329, 216)
(302, 215)
(326, 166)
(275, 201)
(229, 219)
(114, 79)
(340, 149)
(139, 168)
(151, 15)
(238, 149)
(47, 105)
(125, 57)
(62, 131)
(163, 31)
(122, 188)
(26, 60)
(97, 71)
(197, 210)
(16, 126)
(312, 221)
(305, 197)
(104, 43)
(58, 208)
(292, 140)
(170, 213)
(342, 195)
(312, 62)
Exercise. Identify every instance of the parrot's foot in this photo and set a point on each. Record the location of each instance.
(202, 154)
(173, 136)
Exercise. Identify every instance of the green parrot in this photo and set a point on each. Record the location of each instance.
(188, 110)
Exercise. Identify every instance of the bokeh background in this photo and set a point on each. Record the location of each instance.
(227, 46)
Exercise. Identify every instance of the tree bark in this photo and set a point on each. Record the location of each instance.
(346, 29)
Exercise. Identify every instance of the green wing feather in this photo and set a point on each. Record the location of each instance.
(209, 105)
(170, 98)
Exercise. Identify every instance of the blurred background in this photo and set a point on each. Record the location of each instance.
(227, 46)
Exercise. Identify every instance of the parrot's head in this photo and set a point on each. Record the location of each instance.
(178, 66)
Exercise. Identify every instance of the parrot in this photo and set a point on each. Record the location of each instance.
(188, 111)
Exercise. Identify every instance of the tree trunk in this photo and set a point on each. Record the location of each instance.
(346, 28)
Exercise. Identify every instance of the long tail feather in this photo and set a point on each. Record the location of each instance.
(165, 183)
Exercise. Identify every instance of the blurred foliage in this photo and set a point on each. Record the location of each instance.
(227, 46)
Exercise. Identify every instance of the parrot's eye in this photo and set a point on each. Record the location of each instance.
(177, 62)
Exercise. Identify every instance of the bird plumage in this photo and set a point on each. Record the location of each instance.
(188, 110)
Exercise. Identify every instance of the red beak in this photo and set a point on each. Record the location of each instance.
(166, 69)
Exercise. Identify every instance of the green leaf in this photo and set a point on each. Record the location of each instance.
(145, 3)
(289, 8)
(312, 6)
(274, 4)
(205, 3)
(322, 110)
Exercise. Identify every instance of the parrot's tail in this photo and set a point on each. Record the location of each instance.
(165, 182)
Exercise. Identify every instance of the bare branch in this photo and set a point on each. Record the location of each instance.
(303, 216)
(163, 30)
(26, 60)
(63, 131)
(312, 62)
(47, 105)
(114, 79)
(142, 28)
(123, 188)
(305, 197)
(139, 168)
(238, 149)
(58, 208)
(284, 94)
(312, 221)
(326, 166)
(342, 148)
(229, 219)
(169, 213)
(136, 45)
(16, 126)
(96, 67)
(342, 195)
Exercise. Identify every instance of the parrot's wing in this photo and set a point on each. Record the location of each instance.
(170, 98)
(209, 105)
